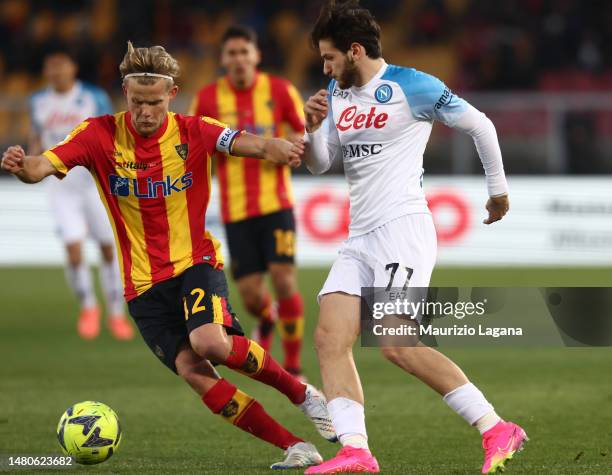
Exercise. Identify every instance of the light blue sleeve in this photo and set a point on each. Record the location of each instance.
(330, 90)
(428, 98)
(103, 102)
(332, 133)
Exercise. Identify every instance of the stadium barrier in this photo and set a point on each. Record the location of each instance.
(552, 221)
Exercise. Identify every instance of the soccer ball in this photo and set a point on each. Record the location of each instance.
(89, 431)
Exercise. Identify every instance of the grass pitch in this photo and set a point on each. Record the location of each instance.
(562, 396)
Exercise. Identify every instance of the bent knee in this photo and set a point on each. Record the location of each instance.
(212, 348)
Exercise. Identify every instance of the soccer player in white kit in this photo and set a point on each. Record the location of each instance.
(377, 118)
(74, 201)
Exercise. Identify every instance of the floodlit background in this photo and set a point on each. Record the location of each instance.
(540, 69)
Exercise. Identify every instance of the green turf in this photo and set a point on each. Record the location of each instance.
(563, 397)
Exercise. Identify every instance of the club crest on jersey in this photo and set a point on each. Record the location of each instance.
(383, 93)
(182, 150)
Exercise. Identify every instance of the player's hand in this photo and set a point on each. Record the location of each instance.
(284, 152)
(497, 207)
(315, 110)
(12, 159)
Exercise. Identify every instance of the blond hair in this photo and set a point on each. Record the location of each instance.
(154, 60)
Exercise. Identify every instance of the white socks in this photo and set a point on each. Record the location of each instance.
(349, 422)
(487, 422)
(470, 403)
(79, 280)
(112, 288)
(467, 401)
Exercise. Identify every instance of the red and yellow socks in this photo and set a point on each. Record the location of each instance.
(291, 329)
(243, 411)
(250, 359)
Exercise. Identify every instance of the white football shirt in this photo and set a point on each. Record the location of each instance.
(54, 115)
(380, 131)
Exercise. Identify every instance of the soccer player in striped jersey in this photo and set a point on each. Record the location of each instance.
(152, 171)
(74, 203)
(256, 196)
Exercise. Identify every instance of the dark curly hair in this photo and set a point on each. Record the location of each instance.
(346, 22)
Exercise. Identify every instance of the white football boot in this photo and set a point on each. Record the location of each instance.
(300, 455)
(315, 408)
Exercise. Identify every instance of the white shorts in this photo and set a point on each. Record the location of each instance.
(407, 244)
(78, 210)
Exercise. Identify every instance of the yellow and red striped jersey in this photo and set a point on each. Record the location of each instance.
(155, 189)
(271, 107)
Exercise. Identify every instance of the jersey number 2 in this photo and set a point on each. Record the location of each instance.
(197, 305)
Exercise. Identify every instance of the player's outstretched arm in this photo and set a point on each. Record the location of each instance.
(275, 150)
(29, 169)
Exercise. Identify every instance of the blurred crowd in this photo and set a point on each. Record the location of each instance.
(475, 46)
(471, 44)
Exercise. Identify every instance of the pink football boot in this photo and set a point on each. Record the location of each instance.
(348, 459)
(500, 443)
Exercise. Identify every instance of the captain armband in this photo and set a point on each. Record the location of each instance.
(226, 139)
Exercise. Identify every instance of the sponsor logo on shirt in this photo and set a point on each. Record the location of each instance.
(123, 186)
(360, 150)
(445, 98)
(131, 165)
(340, 93)
(350, 119)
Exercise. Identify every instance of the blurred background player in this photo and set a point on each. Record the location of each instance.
(74, 201)
(256, 196)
